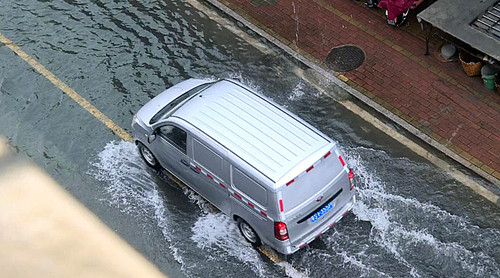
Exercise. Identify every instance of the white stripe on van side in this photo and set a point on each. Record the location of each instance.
(247, 202)
(346, 168)
(281, 203)
(210, 176)
(238, 195)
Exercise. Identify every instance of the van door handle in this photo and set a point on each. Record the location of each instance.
(185, 162)
(194, 169)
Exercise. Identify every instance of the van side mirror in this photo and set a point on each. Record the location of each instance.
(152, 136)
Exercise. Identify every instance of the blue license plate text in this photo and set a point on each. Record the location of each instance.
(321, 212)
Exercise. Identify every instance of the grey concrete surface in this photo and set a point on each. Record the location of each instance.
(455, 16)
(45, 232)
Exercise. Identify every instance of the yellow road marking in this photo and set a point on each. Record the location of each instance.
(66, 89)
(271, 255)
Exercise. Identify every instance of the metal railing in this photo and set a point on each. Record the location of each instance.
(489, 21)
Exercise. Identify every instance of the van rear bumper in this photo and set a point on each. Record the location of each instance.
(289, 248)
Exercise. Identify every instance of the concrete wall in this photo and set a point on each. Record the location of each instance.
(45, 232)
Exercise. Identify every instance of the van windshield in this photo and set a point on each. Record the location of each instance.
(175, 104)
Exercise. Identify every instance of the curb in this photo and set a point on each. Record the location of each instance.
(343, 81)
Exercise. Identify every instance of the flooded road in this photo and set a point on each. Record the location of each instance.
(411, 219)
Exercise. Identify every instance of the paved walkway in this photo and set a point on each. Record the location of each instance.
(445, 107)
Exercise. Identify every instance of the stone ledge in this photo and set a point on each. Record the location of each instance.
(45, 232)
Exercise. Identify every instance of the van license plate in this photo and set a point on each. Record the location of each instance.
(321, 212)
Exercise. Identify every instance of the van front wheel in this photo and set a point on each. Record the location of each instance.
(148, 156)
(248, 233)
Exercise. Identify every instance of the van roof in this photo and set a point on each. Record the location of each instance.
(253, 128)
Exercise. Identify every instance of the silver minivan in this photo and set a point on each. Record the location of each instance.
(284, 182)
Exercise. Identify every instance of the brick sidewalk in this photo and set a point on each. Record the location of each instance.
(436, 98)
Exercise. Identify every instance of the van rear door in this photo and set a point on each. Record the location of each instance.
(315, 196)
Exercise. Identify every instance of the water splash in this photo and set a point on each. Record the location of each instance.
(129, 182)
(406, 227)
(297, 91)
(402, 228)
(216, 234)
(365, 269)
(131, 188)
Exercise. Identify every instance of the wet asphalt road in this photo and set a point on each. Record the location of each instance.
(412, 219)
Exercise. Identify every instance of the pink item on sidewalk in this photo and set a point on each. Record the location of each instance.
(395, 7)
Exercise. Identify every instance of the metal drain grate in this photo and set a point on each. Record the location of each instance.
(489, 21)
(345, 58)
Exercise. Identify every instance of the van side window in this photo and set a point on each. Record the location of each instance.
(248, 186)
(207, 158)
(175, 136)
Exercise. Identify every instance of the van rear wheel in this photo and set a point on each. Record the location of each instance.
(248, 233)
(148, 156)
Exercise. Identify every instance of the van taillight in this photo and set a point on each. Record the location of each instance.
(351, 179)
(280, 231)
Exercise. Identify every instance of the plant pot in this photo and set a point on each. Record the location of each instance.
(471, 64)
(489, 82)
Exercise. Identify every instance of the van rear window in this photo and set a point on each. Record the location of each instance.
(248, 186)
(317, 179)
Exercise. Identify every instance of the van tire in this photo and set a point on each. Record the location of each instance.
(148, 156)
(248, 233)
